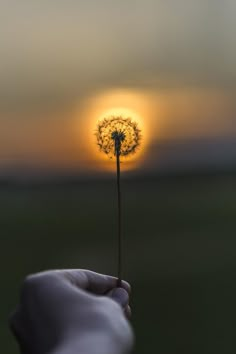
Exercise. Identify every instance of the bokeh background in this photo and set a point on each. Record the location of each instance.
(171, 66)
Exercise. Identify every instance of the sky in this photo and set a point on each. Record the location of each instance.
(64, 64)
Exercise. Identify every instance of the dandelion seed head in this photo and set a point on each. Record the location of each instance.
(117, 133)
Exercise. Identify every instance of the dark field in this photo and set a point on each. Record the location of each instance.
(180, 240)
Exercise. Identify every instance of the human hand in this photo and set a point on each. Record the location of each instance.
(73, 311)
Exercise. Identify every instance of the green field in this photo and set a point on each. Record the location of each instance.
(179, 243)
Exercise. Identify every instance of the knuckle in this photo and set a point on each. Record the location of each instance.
(30, 285)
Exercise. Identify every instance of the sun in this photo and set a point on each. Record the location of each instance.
(129, 106)
(131, 123)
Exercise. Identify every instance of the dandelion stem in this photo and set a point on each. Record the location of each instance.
(118, 136)
(119, 217)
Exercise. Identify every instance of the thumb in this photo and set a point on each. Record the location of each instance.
(120, 296)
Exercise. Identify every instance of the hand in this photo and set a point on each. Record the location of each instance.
(73, 311)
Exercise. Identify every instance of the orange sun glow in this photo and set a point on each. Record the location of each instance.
(118, 103)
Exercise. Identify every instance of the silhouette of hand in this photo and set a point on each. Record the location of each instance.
(72, 311)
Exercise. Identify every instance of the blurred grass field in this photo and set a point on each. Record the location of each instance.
(179, 252)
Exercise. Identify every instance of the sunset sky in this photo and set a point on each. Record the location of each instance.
(64, 64)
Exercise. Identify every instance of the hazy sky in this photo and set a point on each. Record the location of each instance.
(59, 56)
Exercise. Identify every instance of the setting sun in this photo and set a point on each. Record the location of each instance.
(118, 103)
(130, 160)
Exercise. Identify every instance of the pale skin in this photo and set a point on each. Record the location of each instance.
(73, 312)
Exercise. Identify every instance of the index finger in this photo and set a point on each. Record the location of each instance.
(94, 282)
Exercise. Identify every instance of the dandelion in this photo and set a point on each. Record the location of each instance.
(118, 137)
